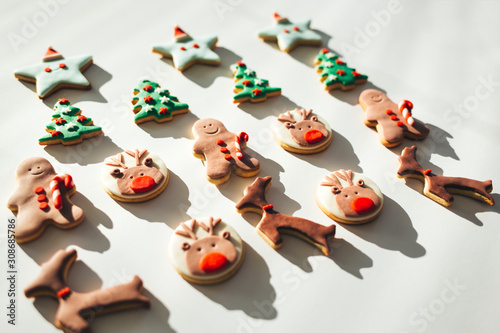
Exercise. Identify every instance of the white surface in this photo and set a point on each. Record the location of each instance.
(380, 277)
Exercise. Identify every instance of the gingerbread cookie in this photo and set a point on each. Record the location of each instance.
(56, 72)
(249, 88)
(334, 72)
(392, 121)
(185, 51)
(222, 151)
(42, 198)
(134, 176)
(302, 132)
(206, 250)
(349, 197)
(441, 188)
(75, 308)
(290, 34)
(151, 102)
(68, 126)
(274, 223)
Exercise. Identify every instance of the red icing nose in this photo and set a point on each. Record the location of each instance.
(313, 136)
(213, 262)
(142, 184)
(362, 205)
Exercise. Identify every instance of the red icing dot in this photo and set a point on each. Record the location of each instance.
(163, 111)
(54, 133)
(220, 142)
(148, 99)
(388, 111)
(41, 197)
(240, 63)
(63, 292)
(362, 205)
(340, 72)
(286, 31)
(196, 46)
(339, 62)
(399, 123)
(142, 184)
(63, 100)
(81, 119)
(213, 262)
(313, 136)
(355, 74)
(428, 171)
(257, 92)
(183, 48)
(228, 157)
(43, 205)
(223, 150)
(247, 83)
(324, 50)
(267, 207)
(296, 28)
(394, 117)
(39, 190)
(60, 121)
(148, 87)
(48, 70)
(61, 65)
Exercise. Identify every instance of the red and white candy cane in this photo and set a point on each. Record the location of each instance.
(54, 188)
(237, 143)
(405, 108)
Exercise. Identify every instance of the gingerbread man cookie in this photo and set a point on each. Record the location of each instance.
(392, 121)
(42, 198)
(206, 250)
(222, 151)
(75, 308)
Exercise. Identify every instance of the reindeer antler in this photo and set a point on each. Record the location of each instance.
(286, 118)
(137, 154)
(117, 161)
(186, 229)
(345, 175)
(211, 225)
(331, 180)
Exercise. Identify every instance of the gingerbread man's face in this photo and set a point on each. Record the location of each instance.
(208, 127)
(373, 97)
(34, 168)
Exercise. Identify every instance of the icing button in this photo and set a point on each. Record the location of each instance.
(43, 205)
(228, 157)
(394, 117)
(39, 190)
(223, 150)
(399, 123)
(61, 65)
(389, 112)
(41, 197)
(48, 70)
(428, 171)
(220, 142)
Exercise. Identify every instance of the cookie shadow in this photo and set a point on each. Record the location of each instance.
(179, 127)
(86, 235)
(249, 290)
(205, 75)
(352, 96)
(89, 151)
(273, 106)
(339, 155)
(307, 53)
(170, 205)
(391, 230)
(97, 77)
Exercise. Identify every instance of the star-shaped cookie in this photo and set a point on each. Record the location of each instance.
(290, 34)
(56, 72)
(186, 51)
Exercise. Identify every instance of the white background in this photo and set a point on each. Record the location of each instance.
(392, 275)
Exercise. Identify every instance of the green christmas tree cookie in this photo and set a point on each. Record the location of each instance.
(68, 126)
(151, 102)
(249, 88)
(334, 72)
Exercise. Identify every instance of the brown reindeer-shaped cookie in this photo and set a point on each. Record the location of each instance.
(75, 307)
(202, 254)
(42, 198)
(274, 223)
(308, 133)
(137, 182)
(222, 151)
(392, 121)
(441, 188)
(348, 197)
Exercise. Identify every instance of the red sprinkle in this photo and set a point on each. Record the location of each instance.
(43, 205)
(54, 133)
(340, 72)
(63, 100)
(399, 123)
(240, 63)
(61, 65)
(296, 28)
(388, 112)
(267, 207)
(163, 111)
(39, 190)
(148, 99)
(324, 50)
(148, 87)
(228, 157)
(257, 92)
(196, 46)
(355, 74)
(394, 117)
(41, 197)
(81, 119)
(183, 48)
(247, 83)
(223, 150)
(60, 121)
(48, 70)
(220, 142)
(339, 62)
(286, 31)
(428, 171)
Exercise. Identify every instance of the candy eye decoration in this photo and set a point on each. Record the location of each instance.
(336, 190)
(117, 173)
(185, 246)
(226, 235)
(148, 162)
(361, 182)
(314, 118)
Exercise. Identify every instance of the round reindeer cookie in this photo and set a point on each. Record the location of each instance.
(206, 250)
(134, 176)
(302, 132)
(349, 197)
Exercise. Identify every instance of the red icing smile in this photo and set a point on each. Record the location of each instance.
(313, 136)
(142, 184)
(362, 205)
(213, 262)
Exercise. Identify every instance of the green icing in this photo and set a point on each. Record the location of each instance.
(251, 86)
(159, 109)
(68, 123)
(328, 68)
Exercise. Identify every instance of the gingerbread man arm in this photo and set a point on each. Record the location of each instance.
(14, 200)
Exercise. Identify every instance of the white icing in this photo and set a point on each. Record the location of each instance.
(330, 55)
(158, 90)
(66, 110)
(248, 71)
(177, 255)
(109, 182)
(258, 82)
(71, 126)
(164, 99)
(327, 199)
(147, 108)
(283, 133)
(328, 64)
